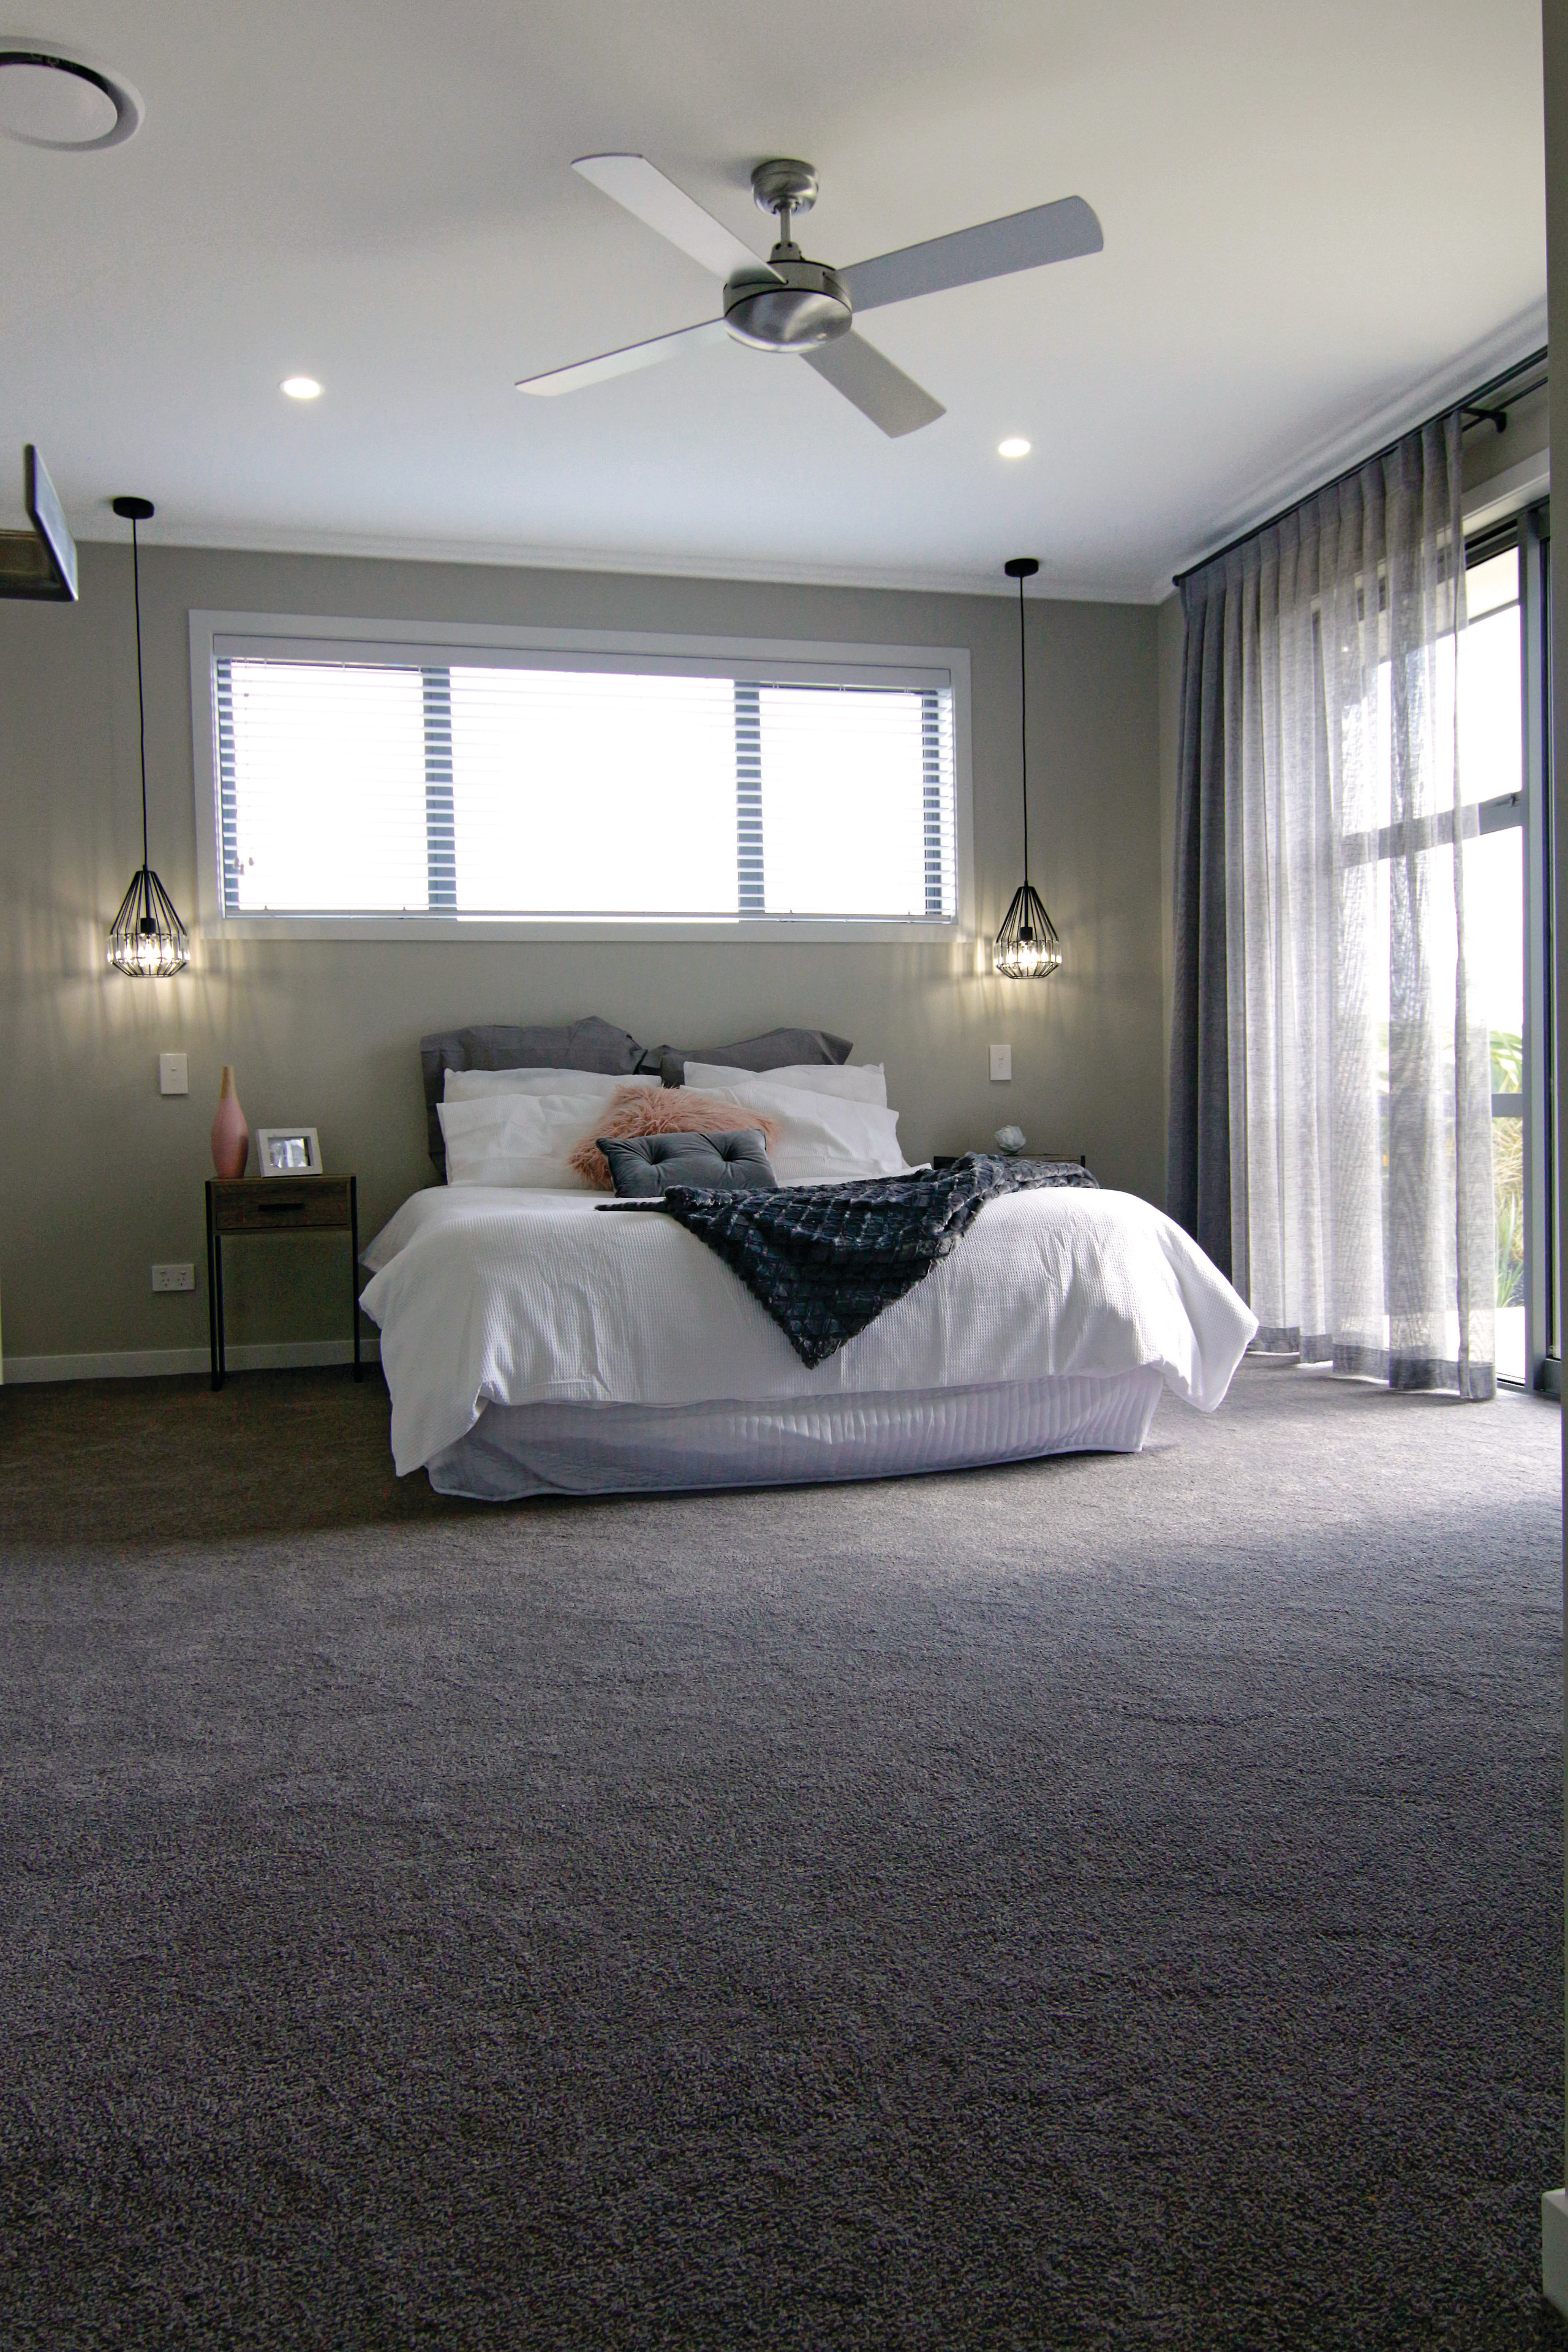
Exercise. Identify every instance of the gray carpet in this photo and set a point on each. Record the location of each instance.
(1107, 1902)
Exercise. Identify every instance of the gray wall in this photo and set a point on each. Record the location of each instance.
(100, 1177)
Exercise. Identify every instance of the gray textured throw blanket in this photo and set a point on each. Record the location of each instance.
(825, 1259)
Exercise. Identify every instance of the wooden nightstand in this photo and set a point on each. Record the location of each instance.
(276, 1204)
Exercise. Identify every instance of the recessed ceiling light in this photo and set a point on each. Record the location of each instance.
(301, 387)
(1017, 446)
(47, 100)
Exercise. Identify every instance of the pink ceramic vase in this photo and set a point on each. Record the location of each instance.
(231, 1136)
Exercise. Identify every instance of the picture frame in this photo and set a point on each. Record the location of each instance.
(288, 1151)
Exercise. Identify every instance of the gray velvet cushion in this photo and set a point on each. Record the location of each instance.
(776, 1050)
(642, 1165)
(589, 1045)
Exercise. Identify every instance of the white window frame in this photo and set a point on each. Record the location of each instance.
(810, 663)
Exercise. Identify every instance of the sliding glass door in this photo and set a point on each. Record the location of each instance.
(1509, 919)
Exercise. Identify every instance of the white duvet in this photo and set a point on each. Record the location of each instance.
(517, 1297)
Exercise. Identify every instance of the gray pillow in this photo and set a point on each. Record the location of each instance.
(643, 1165)
(589, 1045)
(776, 1050)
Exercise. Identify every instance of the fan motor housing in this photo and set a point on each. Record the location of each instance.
(799, 305)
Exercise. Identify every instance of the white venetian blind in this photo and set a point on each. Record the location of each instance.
(458, 786)
(844, 788)
(317, 748)
(578, 793)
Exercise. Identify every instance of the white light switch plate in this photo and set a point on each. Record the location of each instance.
(173, 1074)
(173, 1277)
(1001, 1062)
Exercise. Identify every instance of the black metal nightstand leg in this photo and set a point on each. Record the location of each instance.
(222, 1373)
(212, 1294)
(353, 1267)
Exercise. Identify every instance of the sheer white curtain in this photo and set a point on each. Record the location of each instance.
(1321, 747)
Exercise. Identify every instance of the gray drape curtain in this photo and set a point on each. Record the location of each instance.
(1330, 1103)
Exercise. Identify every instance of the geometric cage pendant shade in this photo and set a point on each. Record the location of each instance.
(1026, 945)
(147, 940)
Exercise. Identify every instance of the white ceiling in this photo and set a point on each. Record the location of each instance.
(1318, 220)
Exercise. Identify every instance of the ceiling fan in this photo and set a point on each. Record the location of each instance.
(790, 304)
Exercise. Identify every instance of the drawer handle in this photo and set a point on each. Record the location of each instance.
(281, 1208)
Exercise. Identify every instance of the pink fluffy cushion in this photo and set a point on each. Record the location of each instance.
(664, 1110)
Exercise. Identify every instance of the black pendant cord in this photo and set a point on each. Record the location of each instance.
(1026, 945)
(140, 699)
(147, 939)
(1023, 726)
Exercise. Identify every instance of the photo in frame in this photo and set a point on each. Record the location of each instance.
(288, 1151)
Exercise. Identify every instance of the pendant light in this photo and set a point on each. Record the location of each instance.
(148, 941)
(1026, 946)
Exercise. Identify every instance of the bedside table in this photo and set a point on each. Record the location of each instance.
(276, 1204)
(1060, 1159)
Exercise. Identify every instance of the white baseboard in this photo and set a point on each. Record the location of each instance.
(156, 1363)
(1554, 2250)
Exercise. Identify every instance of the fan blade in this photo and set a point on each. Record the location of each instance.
(1059, 232)
(624, 362)
(892, 401)
(633, 181)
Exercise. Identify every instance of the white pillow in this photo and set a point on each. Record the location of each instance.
(822, 1140)
(850, 1081)
(518, 1139)
(472, 1086)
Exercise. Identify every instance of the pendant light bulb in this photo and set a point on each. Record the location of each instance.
(1026, 945)
(147, 939)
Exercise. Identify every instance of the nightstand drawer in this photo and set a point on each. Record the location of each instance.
(280, 1204)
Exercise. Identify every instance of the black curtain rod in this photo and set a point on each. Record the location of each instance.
(1471, 412)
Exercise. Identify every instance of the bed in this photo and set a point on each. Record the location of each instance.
(535, 1345)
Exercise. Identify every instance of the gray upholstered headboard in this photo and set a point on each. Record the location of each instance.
(595, 1045)
(777, 1049)
(589, 1045)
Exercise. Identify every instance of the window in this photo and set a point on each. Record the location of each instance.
(562, 783)
(1504, 750)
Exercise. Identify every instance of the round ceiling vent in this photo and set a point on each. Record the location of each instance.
(53, 102)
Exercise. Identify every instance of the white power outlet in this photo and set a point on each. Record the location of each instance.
(173, 1277)
(174, 1077)
(1001, 1062)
